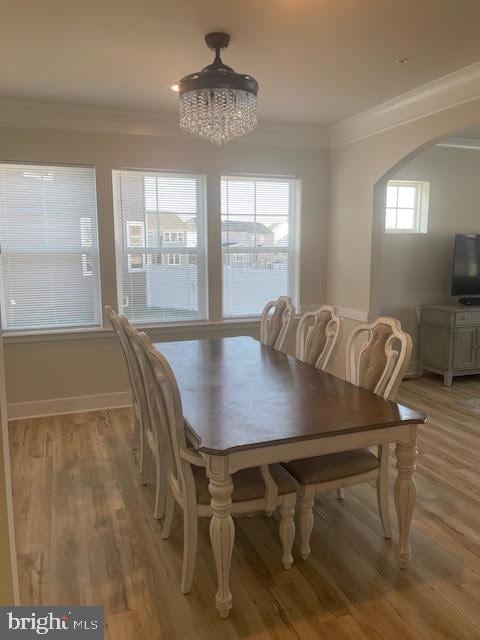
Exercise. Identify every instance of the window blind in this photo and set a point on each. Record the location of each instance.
(160, 229)
(258, 242)
(49, 248)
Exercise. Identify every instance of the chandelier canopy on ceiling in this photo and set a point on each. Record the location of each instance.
(216, 103)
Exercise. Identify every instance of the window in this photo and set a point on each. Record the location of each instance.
(407, 206)
(156, 214)
(135, 240)
(173, 258)
(259, 236)
(173, 237)
(49, 247)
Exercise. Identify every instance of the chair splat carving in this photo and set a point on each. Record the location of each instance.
(276, 321)
(317, 335)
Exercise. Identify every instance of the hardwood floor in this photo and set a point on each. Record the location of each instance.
(85, 535)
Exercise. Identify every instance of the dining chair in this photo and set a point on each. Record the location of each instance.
(377, 365)
(317, 335)
(154, 451)
(276, 321)
(257, 489)
(133, 375)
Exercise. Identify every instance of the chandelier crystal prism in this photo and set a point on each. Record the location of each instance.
(216, 103)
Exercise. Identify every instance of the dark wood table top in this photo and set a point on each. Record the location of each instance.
(238, 394)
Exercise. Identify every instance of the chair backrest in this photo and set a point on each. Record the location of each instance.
(380, 363)
(317, 335)
(276, 322)
(136, 382)
(165, 408)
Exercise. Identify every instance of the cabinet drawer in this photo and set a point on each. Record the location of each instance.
(467, 318)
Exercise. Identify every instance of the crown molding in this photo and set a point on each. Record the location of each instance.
(456, 88)
(453, 89)
(56, 116)
(460, 143)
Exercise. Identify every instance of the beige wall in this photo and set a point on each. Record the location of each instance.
(415, 269)
(355, 169)
(45, 369)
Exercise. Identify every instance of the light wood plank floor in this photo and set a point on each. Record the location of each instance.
(86, 535)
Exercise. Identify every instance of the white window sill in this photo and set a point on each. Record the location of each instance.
(164, 331)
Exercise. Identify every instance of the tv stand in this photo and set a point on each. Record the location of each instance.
(470, 302)
(450, 341)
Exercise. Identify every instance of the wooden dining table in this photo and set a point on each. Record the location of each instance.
(247, 405)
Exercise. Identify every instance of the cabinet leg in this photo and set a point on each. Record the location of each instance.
(447, 379)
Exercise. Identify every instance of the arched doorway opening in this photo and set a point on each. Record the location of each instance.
(411, 260)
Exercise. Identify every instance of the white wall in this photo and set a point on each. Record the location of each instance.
(41, 369)
(355, 169)
(415, 269)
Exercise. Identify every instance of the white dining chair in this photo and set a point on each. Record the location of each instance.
(257, 489)
(378, 365)
(155, 461)
(136, 383)
(276, 321)
(317, 336)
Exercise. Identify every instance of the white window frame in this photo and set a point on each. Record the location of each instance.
(294, 240)
(36, 170)
(420, 208)
(201, 252)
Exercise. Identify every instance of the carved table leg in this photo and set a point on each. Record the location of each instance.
(405, 494)
(222, 534)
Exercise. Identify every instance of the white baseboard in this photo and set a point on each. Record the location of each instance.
(59, 406)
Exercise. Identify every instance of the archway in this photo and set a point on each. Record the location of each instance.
(410, 270)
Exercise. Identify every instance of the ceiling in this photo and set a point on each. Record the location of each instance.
(317, 61)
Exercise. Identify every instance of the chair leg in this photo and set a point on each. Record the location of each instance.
(160, 488)
(190, 534)
(287, 529)
(307, 496)
(382, 491)
(169, 513)
(341, 493)
(136, 430)
(146, 463)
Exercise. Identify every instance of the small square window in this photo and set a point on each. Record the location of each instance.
(407, 206)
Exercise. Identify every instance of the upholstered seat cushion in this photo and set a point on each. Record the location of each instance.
(334, 466)
(248, 484)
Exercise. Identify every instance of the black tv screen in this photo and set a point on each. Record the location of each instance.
(466, 265)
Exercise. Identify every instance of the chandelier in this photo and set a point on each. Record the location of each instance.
(216, 103)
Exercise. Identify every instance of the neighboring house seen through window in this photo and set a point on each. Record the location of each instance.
(160, 226)
(259, 219)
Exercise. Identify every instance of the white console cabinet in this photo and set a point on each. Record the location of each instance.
(450, 340)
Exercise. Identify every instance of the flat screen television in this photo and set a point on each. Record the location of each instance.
(466, 267)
